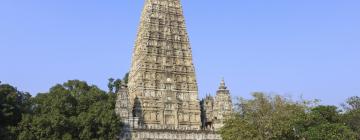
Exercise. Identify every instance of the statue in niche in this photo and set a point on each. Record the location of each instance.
(157, 76)
(153, 75)
(152, 94)
(181, 117)
(169, 120)
(146, 75)
(153, 116)
(147, 116)
(157, 116)
(197, 117)
(137, 110)
(186, 117)
(182, 96)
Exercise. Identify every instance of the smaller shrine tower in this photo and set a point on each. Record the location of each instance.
(217, 109)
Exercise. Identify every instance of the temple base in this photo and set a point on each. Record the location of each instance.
(169, 134)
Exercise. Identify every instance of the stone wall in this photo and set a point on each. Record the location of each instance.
(153, 134)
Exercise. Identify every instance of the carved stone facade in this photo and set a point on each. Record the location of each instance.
(218, 109)
(162, 93)
(153, 134)
(162, 75)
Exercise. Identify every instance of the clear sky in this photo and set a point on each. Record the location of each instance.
(290, 47)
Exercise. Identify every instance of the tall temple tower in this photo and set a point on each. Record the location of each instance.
(162, 76)
(160, 101)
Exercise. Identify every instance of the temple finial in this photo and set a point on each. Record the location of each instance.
(222, 84)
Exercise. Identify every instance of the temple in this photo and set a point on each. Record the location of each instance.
(217, 109)
(161, 98)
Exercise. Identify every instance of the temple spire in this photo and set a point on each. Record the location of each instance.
(162, 74)
(222, 84)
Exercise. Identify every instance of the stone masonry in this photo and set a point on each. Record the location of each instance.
(218, 109)
(161, 99)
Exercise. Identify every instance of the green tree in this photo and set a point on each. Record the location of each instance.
(114, 85)
(73, 110)
(324, 114)
(265, 118)
(13, 104)
(117, 85)
(352, 119)
(276, 118)
(324, 123)
(126, 78)
(330, 131)
(111, 85)
(351, 116)
(353, 103)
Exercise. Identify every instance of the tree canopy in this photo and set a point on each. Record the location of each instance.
(275, 117)
(115, 84)
(13, 104)
(352, 114)
(264, 118)
(73, 110)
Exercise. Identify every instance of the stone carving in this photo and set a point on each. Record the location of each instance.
(160, 100)
(162, 34)
(217, 109)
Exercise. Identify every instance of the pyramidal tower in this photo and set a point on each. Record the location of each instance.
(160, 101)
(162, 74)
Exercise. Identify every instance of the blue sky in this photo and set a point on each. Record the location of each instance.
(308, 48)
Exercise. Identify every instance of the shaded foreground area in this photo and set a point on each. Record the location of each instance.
(76, 110)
